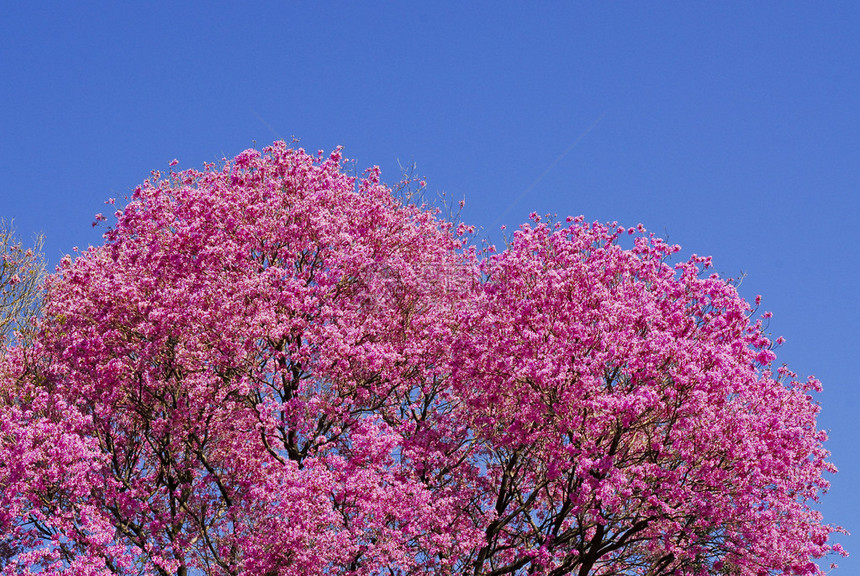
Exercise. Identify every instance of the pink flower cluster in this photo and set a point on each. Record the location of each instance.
(268, 369)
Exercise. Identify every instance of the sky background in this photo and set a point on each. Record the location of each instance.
(733, 128)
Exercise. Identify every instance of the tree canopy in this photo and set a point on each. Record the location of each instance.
(273, 368)
(22, 271)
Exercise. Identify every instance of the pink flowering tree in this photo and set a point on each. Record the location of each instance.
(271, 369)
(629, 416)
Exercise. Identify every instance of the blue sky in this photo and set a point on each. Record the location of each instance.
(731, 127)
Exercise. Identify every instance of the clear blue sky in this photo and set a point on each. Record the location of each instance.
(733, 127)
